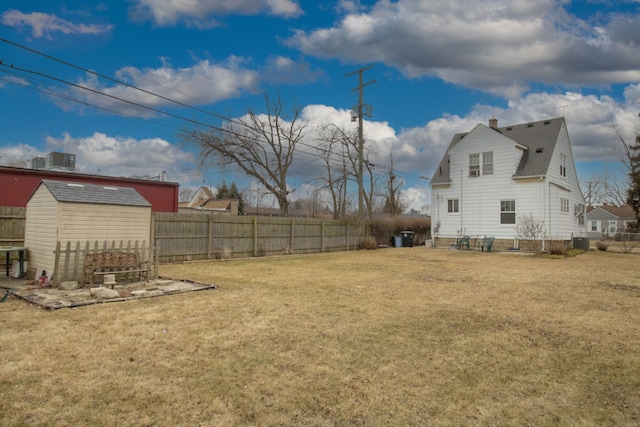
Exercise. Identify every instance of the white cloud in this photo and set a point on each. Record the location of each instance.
(281, 69)
(201, 13)
(496, 46)
(122, 156)
(202, 84)
(43, 24)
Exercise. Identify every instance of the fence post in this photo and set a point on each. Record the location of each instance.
(210, 242)
(76, 261)
(56, 260)
(255, 236)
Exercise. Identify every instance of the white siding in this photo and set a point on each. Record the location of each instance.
(41, 229)
(480, 197)
(49, 221)
(561, 225)
(82, 222)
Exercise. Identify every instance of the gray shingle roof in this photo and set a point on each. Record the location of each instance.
(539, 137)
(97, 194)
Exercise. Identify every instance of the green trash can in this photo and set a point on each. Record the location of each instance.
(407, 238)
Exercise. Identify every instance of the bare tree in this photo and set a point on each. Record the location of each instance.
(604, 189)
(393, 204)
(185, 194)
(592, 190)
(334, 144)
(262, 145)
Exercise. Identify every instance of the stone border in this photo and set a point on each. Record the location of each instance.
(53, 299)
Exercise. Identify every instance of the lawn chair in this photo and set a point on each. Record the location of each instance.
(462, 243)
(487, 243)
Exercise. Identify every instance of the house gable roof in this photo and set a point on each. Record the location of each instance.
(620, 212)
(98, 194)
(537, 138)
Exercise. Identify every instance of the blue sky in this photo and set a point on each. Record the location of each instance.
(440, 66)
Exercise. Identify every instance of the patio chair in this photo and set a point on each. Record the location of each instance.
(462, 243)
(487, 243)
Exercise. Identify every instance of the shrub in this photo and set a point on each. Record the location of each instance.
(384, 228)
(557, 247)
(602, 246)
(368, 243)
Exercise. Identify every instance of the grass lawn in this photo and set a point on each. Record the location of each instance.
(406, 336)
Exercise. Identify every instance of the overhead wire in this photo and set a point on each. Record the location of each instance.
(313, 154)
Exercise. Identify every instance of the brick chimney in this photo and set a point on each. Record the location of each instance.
(493, 123)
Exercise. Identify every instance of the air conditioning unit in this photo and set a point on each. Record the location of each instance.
(578, 209)
(38, 163)
(62, 161)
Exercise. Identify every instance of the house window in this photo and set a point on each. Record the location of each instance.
(452, 206)
(564, 205)
(613, 227)
(594, 226)
(563, 165)
(474, 164)
(508, 212)
(487, 163)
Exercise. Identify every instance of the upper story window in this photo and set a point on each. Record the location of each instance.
(452, 206)
(487, 163)
(563, 165)
(474, 164)
(564, 205)
(478, 169)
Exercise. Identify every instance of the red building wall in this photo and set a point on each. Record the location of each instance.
(17, 185)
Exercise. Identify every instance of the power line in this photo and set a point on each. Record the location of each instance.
(316, 153)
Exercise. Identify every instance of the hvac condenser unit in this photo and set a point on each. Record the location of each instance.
(62, 161)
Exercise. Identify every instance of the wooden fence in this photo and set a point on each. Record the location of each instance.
(12, 222)
(198, 236)
(69, 258)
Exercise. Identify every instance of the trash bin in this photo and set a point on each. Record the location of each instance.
(397, 241)
(407, 238)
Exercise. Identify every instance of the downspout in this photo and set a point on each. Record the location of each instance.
(461, 201)
(544, 210)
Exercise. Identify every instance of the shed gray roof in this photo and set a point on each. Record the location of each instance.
(539, 137)
(97, 194)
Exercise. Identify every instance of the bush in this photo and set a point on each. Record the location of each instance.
(384, 228)
(602, 246)
(368, 243)
(557, 247)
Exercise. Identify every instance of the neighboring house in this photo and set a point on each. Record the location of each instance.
(205, 201)
(491, 177)
(61, 212)
(17, 184)
(607, 220)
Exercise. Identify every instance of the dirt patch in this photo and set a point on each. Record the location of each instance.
(53, 299)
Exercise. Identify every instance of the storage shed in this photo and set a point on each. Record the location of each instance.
(64, 212)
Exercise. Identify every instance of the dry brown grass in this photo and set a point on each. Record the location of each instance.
(406, 336)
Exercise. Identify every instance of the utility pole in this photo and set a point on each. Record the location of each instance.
(358, 112)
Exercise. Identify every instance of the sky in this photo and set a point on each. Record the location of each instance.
(436, 68)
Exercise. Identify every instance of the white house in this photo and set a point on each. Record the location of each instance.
(491, 178)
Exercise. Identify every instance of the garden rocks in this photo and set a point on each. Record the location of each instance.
(104, 293)
(68, 286)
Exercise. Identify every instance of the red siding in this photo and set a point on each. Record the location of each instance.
(17, 185)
